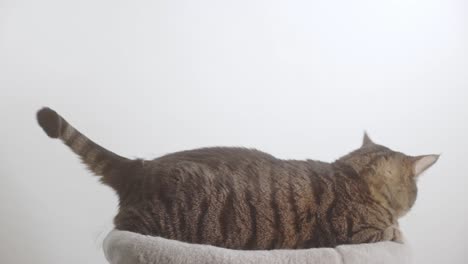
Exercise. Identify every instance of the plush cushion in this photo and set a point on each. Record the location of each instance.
(122, 247)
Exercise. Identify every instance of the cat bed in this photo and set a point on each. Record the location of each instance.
(122, 247)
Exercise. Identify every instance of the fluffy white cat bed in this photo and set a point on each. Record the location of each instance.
(122, 247)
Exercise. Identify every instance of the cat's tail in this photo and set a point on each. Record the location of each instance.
(99, 160)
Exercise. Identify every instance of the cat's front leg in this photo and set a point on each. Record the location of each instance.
(372, 235)
(394, 234)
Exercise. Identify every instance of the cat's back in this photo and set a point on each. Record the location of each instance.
(216, 157)
(210, 168)
(239, 163)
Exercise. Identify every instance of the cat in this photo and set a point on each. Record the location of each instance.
(241, 198)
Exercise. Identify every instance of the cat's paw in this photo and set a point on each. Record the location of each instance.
(393, 233)
(397, 235)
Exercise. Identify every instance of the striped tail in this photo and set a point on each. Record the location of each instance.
(99, 160)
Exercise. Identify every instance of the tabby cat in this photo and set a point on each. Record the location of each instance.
(242, 198)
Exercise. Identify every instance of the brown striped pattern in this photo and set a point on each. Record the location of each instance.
(99, 160)
(245, 199)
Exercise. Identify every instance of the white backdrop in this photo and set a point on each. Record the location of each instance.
(298, 79)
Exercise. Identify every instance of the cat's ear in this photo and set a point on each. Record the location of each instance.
(366, 141)
(422, 163)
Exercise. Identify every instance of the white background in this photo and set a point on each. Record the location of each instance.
(298, 79)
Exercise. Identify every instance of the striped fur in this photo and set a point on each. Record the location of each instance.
(99, 160)
(245, 199)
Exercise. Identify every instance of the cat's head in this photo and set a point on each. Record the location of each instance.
(390, 175)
